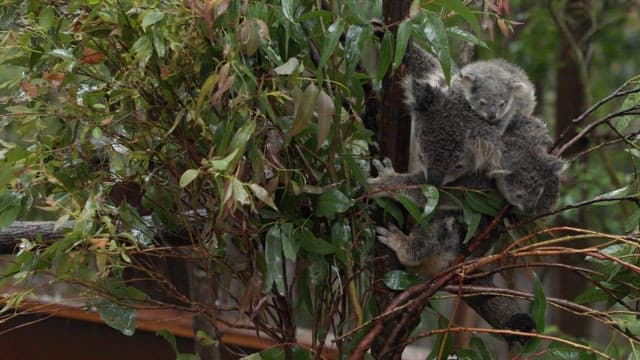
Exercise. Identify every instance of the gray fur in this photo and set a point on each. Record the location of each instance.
(449, 138)
(528, 175)
(497, 90)
(427, 253)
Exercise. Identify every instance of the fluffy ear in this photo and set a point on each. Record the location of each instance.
(558, 166)
(467, 80)
(498, 173)
(517, 85)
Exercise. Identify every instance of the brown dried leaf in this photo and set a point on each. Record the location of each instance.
(91, 56)
(30, 89)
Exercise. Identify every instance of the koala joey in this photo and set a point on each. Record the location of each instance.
(528, 178)
(497, 90)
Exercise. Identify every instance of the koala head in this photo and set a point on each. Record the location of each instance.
(523, 182)
(489, 96)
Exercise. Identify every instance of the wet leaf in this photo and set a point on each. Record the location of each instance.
(273, 259)
(262, 194)
(334, 31)
(400, 280)
(188, 176)
(325, 110)
(332, 202)
(151, 17)
(303, 112)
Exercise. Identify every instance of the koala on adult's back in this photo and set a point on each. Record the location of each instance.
(497, 90)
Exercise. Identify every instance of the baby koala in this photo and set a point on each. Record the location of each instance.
(497, 90)
(528, 176)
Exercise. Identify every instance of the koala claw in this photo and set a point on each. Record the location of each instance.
(391, 236)
(385, 168)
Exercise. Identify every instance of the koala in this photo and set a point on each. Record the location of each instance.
(448, 138)
(528, 176)
(428, 253)
(497, 90)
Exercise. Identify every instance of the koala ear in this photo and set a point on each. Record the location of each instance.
(558, 166)
(518, 85)
(467, 80)
(498, 173)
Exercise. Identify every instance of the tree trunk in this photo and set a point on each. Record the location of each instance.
(574, 21)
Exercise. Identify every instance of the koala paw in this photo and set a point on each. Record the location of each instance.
(385, 168)
(385, 172)
(391, 236)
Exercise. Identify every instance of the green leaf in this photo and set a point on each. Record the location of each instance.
(631, 223)
(273, 258)
(142, 50)
(539, 307)
(158, 43)
(472, 219)
(9, 208)
(119, 317)
(205, 90)
(47, 17)
(223, 164)
(354, 40)
(290, 244)
(239, 193)
(629, 102)
(151, 17)
(263, 195)
(458, 7)
(612, 194)
(303, 112)
(332, 201)
(188, 176)
(479, 202)
(468, 37)
(435, 31)
(390, 207)
(386, 55)
(334, 31)
(287, 9)
(400, 280)
(325, 110)
(313, 244)
(402, 39)
(413, 210)
(433, 196)
(139, 230)
(242, 136)
(64, 54)
(291, 66)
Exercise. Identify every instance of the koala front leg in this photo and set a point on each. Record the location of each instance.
(400, 243)
(391, 183)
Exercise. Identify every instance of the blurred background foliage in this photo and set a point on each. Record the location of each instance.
(231, 134)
